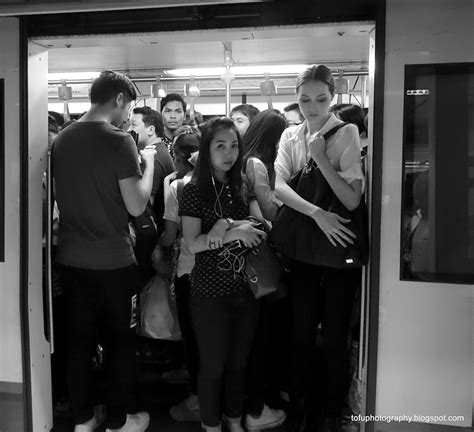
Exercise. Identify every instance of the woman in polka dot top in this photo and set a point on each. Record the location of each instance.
(214, 207)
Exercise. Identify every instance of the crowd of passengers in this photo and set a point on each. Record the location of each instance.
(131, 183)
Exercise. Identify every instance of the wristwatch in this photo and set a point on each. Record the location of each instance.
(230, 223)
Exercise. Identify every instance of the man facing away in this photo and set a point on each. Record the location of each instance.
(148, 125)
(98, 182)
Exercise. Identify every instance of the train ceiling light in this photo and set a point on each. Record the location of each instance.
(237, 70)
(72, 76)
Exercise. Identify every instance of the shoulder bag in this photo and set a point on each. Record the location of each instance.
(299, 238)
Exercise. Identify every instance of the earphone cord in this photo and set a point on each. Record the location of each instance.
(217, 202)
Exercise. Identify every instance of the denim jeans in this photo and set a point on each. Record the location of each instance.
(225, 329)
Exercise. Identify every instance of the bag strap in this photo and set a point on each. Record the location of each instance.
(326, 136)
(332, 131)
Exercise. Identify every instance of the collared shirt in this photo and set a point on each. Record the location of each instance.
(168, 143)
(342, 150)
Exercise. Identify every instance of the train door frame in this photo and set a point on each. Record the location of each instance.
(376, 127)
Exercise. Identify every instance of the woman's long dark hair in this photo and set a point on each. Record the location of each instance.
(262, 137)
(203, 172)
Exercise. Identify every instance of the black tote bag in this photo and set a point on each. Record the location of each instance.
(299, 238)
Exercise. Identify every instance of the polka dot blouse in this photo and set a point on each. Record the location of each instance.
(212, 275)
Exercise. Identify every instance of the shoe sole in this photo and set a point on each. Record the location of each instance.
(276, 423)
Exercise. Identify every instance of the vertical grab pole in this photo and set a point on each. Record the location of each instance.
(363, 90)
(228, 76)
(49, 240)
(362, 326)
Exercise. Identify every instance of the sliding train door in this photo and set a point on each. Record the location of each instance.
(39, 288)
(25, 384)
(425, 327)
(12, 389)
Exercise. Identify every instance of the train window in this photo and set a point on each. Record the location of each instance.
(437, 229)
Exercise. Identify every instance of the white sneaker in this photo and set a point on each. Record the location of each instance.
(135, 423)
(269, 418)
(211, 428)
(92, 424)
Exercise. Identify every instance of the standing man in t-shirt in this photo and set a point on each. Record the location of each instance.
(173, 112)
(98, 182)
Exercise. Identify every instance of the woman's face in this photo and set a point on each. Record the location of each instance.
(314, 100)
(224, 150)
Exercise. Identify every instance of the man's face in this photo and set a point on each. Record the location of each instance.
(172, 115)
(144, 132)
(293, 118)
(241, 121)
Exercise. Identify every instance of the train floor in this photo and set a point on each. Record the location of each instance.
(158, 397)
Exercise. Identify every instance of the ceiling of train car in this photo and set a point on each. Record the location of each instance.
(145, 54)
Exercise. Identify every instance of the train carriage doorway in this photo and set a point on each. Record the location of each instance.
(346, 47)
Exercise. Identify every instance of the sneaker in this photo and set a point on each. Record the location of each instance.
(135, 423)
(92, 424)
(187, 410)
(233, 424)
(269, 418)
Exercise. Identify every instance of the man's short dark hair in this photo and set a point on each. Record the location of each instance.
(292, 107)
(53, 126)
(151, 117)
(109, 84)
(170, 98)
(247, 110)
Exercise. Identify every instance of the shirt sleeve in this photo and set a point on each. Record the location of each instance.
(283, 163)
(171, 204)
(127, 159)
(190, 203)
(258, 176)
(350, 162)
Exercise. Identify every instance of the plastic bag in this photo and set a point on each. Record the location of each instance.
(159, 316)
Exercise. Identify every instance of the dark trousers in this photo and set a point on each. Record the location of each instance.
(225, 329)
(267, 367)
(321, 295)
(182, 290)
(102, 302)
